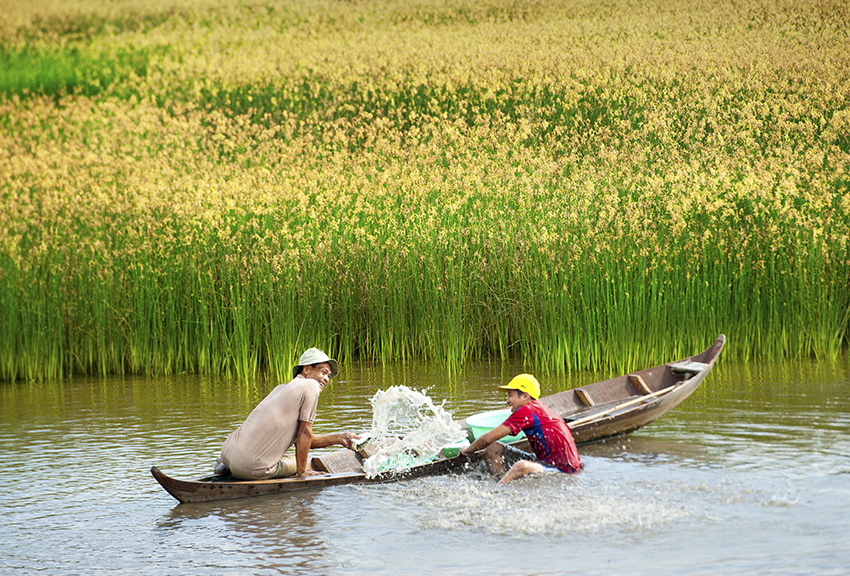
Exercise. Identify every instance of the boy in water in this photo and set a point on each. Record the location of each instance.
(548, 434)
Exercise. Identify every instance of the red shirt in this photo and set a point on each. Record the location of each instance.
(548, 434)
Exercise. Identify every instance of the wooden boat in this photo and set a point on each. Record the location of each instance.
(226, 487)
(624, 404)
(596, 411)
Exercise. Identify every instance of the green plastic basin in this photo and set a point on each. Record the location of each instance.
(486, 421)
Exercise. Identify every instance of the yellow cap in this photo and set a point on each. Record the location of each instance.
(524, 383)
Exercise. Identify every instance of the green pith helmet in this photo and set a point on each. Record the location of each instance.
(524, 383)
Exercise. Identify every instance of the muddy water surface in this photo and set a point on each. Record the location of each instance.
(749, 475)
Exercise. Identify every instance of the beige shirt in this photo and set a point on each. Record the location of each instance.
(257, 446)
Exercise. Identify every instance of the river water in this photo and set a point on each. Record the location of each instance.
(750, 475)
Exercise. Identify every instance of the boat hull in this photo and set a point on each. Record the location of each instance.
(594, 412)
(212, 488)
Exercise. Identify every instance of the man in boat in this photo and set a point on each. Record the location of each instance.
(547, 433)
(257, 449)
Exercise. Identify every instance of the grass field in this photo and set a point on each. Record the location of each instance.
(209, 186)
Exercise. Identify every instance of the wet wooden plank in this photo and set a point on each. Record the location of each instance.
(338, 461)
(688, 367)
(585, 397)
(639, 384)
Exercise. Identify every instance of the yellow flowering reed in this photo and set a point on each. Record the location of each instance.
(211, 187)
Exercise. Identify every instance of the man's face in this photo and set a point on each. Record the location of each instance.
(516, 399)
(318, 372)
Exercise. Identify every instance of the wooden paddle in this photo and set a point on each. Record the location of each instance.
(604, 413)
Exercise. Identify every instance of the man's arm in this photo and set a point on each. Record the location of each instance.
(303, 441)
(486, 439)
(343, 439)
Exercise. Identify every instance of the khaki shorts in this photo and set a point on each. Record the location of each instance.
(286, 467)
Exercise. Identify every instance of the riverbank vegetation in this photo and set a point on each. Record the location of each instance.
(212, 187)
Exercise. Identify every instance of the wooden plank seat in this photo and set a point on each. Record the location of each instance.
(585, 397)
(338, 461)
(639, 384)
(688, 367)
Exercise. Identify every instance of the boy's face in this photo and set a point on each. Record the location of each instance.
(517, 399)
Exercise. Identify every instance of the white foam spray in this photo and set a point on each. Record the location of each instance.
(408, 429)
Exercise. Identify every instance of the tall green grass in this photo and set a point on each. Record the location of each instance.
(235, 185)
(192, 312)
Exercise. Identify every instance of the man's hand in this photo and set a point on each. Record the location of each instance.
(347, 439)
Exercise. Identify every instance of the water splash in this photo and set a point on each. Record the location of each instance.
(540, 505)
(407, 429)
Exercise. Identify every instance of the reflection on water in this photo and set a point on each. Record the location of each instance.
(744, 477)
(281, 531)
